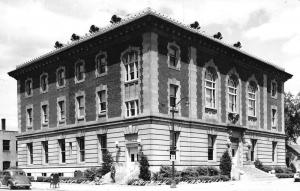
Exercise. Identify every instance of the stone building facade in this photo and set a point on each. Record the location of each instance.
(113, 91)
(8, 147)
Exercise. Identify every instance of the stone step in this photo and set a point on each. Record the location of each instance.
(254, 174)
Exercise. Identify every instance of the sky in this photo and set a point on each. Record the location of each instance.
(268, 29)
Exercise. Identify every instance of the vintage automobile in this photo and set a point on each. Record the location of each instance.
(297, 176)
(15, 178)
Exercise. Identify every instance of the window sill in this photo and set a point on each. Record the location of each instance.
(27, 96)
(29, 128)
(61, 122)
(6, 151)
(211, 110)
(130, 117)
(174, 68)
(45, 124)
(101, 75)
(81, 118)
(102, 114)
(60, 87)
(43, 92)
(79, 81)
(131, 81)
(252, 118)
(274, 97)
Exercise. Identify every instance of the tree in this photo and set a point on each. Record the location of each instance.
(93, 29)
(292, 117)
(144, 168)
(195, 25)
(115, 19)
(225, 164)
(75, 37)
(237, 44)
(218, 36)
(107, 162)
(58, 45)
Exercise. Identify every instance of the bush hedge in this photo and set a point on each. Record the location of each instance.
(284, 175)
(225, 164)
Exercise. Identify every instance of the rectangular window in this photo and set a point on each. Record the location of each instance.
(61, 110)
(274, 118)
(45, 151)
(173, 56)
(30, 153)
(211, 145)
(251, 107)
(103, 141)
(101, 64)
(29, 117)
(232, 99)
(130, 61)
(62, 147)
(81, 147)
(173, 95)
(132, 108)
(6, 145)
(274, 151)
(252, 151)
(79, 71)
(210, 92)
(45, 114)
(273, 89)
(44, 82)
(102, 101)
(80, 106)
(44, 174)
(6, 165)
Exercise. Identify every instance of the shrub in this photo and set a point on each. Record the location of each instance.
(212, 171)
(43, 179)
(90, 173)
(107, 162)
(202, 170)
(258, 164)
(293, 167)
(284, 175)
(267, 168)
(225, 164)
(189, 172)
(78, 174)
(144, 168)
(31, 178)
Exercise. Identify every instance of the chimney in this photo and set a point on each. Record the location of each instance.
(3, 124)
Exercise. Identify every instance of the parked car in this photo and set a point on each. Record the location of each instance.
(15, 178)
(297, 176)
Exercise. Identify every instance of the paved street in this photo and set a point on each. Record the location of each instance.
(279, 185)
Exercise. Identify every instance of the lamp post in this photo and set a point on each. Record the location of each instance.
(173, 149)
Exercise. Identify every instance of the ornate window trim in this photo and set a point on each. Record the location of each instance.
(178, 58)
(236, 115)
(43, 122)
(31, 87)
(98, 112)
(97, 73)
(274, 126)
(61, 121)
(77, 116)
(64, 80)
(46, 81)
(137, 67)
(29, 126)
(75, 71)
(173, 81)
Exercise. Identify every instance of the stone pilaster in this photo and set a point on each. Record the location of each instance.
(193, 84)
(265, 102)
(150, 73)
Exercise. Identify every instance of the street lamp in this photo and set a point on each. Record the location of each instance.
(173, 149)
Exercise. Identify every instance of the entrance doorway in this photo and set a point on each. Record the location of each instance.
(235, 150)
(132, 154)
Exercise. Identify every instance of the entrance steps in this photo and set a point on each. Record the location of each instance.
(249, 172)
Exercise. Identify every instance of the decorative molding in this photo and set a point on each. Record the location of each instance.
(131, 129)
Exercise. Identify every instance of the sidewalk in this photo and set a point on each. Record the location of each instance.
(278, 185)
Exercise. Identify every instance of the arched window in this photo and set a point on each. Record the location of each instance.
(44, 82)
(28, 87)
(101, 64)
(252, 89)
(131, 62)
(60, 77)
(79, 71)
(232, 93)
(210, 87)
